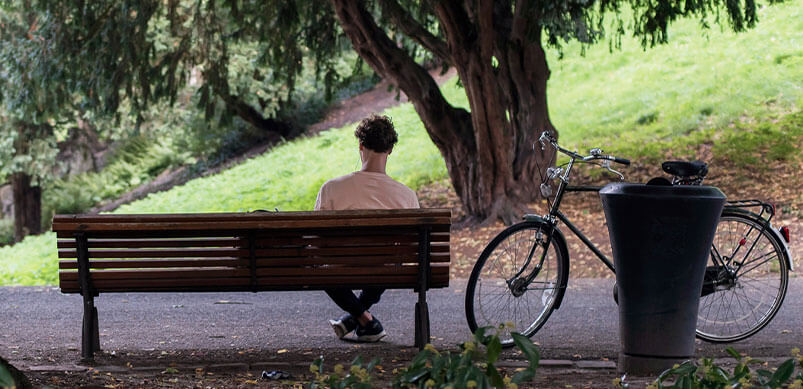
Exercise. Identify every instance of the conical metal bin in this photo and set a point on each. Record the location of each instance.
(661, 238)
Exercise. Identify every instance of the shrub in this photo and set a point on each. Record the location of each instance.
(6, 380)
(430, 368)
(137, 162)
(358, 376)
(706, 374)
(11, 377)
(6, 231)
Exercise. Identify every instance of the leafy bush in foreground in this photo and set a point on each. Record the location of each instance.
(706, 374)
(472, 368)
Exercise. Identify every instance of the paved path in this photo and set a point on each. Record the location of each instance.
(41, 326)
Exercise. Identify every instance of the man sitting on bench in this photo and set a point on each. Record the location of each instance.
(368, 188)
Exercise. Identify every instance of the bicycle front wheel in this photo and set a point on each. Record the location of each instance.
(745, 280)
(498, 294)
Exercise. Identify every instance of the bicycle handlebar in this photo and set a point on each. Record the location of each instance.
(545, 137)
(623, 161)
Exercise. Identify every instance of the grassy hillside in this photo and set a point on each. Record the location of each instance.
(642, 101)
(740, 93)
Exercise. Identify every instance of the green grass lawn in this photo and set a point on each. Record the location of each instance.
(714, 86)
(642, 102)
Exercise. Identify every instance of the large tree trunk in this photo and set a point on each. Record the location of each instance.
(489, 153)
(26, 195)
(27, 206)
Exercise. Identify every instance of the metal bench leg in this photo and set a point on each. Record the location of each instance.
(421, 324)
(90, 338)
(421, 308)
(95, 330)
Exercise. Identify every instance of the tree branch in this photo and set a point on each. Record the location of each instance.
(245, 111)
(410, 27)
(521, 21)
(249, 114)
(371, 42)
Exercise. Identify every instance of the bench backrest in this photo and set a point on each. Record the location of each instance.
(253, 251)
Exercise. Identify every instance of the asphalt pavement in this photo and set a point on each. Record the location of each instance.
(41, 326)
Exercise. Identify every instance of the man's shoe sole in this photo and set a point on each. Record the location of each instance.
(371, 338)
(340, 328)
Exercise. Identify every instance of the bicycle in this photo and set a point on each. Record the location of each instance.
(521, 275)
(747, 275)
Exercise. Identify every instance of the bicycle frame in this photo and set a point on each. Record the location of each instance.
(579, 234)
(555, 215)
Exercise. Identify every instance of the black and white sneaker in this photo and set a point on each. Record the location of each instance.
(344, 325)
(372, 332)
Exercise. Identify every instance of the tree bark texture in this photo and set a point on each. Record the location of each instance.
(26, 194)
(489, 152)
(27, 206)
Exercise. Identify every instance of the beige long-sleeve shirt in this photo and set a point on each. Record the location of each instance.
(365, 190)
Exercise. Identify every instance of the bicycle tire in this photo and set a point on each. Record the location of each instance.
(748, 302)
(489, 299)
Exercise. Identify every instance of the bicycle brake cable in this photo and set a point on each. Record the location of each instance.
(541, 175)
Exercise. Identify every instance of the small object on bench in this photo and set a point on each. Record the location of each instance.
(229, 252)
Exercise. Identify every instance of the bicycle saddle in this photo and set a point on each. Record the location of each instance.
(685, 169)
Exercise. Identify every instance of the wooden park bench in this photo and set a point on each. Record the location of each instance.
(261, 251)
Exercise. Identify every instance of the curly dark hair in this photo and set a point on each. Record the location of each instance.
(377, 133)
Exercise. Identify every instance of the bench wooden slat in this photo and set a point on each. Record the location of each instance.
(66, 264)
(237, 225)
(334, 240)
(242, 285)
(215, 252)
(330, 272)
(273, 261)
(156, 243)
(279, 239)
(212, 233)
(439, 248)
(154, 263)
(144, 274)
(243, 242)
(387, 214)
(68, 281)
(337, 251)
(240, 252)
(244, 262)
(440, 278)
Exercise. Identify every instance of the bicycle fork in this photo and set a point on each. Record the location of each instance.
(518, 284)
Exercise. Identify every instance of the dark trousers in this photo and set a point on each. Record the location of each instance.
(347, 301)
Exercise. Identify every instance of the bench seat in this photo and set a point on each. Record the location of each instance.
(259, 251)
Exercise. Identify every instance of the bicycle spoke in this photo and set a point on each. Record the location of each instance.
(745, 304)
(769, 256)
(497, 292)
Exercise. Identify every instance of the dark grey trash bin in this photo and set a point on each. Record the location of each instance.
(661, 237)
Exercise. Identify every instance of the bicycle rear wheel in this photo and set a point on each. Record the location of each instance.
(497, 292)
(745, 281)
